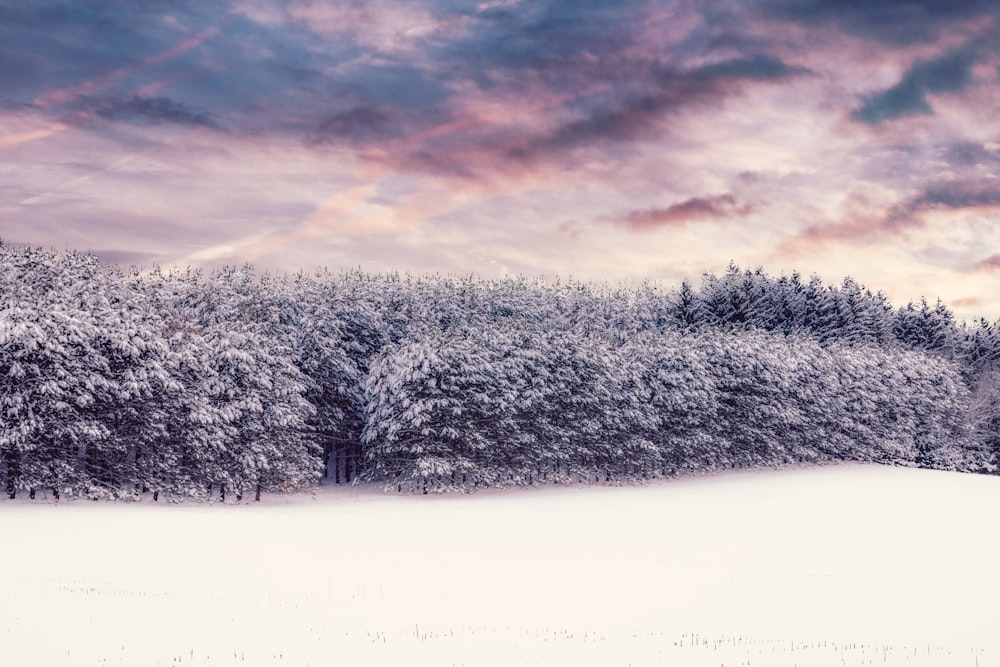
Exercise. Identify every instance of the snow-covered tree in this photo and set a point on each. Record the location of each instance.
(239, 418)
(438, 411)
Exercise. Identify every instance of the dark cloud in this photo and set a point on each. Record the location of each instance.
(902, 100)
(757, 68)
(552, 38)
(369, 125)
(669, 91)
(971, 154)
(691, 210)
(152, 111)
(950, 73)
(361, 123)
(950, 196)
(891, 21)
(398, 84)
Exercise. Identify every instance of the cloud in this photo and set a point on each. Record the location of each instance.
(436, 88)
(552, 39)
(990, 264)
(61, 96)
(966, 302)
(950, 73)
(669, 92)
(852, 229)
(873, 225)
(971, 154)
(948, 195)
(756, 68)
(10, 140)
(894, 22)
(359, 124)
(382, 26)
(152, 111)
(691, 210)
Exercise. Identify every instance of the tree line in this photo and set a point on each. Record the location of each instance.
(118, 382)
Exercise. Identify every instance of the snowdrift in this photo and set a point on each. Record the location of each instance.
(841, 565)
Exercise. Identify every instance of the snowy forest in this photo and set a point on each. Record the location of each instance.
(115, 383)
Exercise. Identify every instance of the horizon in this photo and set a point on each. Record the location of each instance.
(543, 280)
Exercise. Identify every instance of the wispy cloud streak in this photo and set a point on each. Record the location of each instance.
(103, 82)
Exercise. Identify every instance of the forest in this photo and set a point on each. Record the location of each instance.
(117, 383)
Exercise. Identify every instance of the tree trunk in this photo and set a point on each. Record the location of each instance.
(93, 466)
(13, 461)
(55, 492)
(138, 472)
(222, 492)
(257, 494)
(156, 496)
(31, 493)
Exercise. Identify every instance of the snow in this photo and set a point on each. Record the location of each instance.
(838, 565)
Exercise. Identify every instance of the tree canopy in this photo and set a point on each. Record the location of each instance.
(117, 382)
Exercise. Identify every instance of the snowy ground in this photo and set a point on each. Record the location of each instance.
(843, 565)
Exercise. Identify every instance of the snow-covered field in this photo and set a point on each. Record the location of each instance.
(841, 565)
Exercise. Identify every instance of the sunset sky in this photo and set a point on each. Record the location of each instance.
(608, 140)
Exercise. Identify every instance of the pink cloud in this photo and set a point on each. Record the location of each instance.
(10, 140)
(989, 265)
(966, 302)
(695, 209)
(869, 223)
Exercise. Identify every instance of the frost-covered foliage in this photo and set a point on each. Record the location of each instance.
(239, 416)
(113, 382)
(498, 405)
(79, 361)
(492, 408)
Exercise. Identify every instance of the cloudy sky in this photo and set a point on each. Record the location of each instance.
(603, 139)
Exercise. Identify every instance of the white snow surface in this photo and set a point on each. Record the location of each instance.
(836, 565)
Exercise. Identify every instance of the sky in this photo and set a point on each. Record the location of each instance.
(605, 140)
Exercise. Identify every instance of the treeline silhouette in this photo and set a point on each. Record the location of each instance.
(115, 383)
